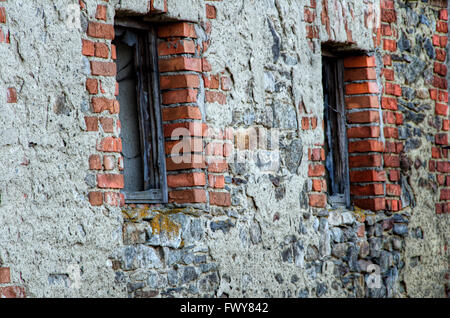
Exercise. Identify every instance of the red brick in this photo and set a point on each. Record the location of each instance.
(443, 166)
(435, 39)
(211, 12)
(441, 55)
(110, 144)
(313, 122)
(319, 185)
(317, 200)
(87, 47)
(95, 163)
(367, 176)
(362, 102)
(316, 170)
(215, 97)
(189, 161)
(388, 74)
(101, 50)
(445, 194)
(443, 96)
(373, 204)
(180, 29)
(183, 146)
(11, 95)
(92, 86)
(367, 190)
(441, 139)
(391, 132)
(393, 189)
(182, 112)
(391, 161)
(100, 104)
(226, 83)
(211, 81)
(388, 15)
(441, 109)
(219, 198)
(435, 153)
(389, 103)
(366, 146)
(217, 166)
(179, 96)
(387, 60)
(176, 130)
(107, 124)
(309, 16)
(180, 64)
(439, 82)
(103, 68)
(440, 69)
(359, 61)
(188, 196)
(358, 74)
(393, 89)
(389, 45)
(386, 29)
(206, 66)
(363, 132)
(179, 81)
(112, 198)
(91, 123)
(101, 30)
(113, 52)
(5, 275)
(12, 292)
(364, 161)
(111, 181)
(394, 175)
(96, 198)
(393, 205)
(305, 123)
(109, 162)
(216, 181)
(176, 47)
(101, 12)
(361, 88)
(2, 15)
(441, 27)
(363, 117)
(214, 149)
(316, 154)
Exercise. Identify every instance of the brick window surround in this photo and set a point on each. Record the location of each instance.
(373, 146)
(186, 78)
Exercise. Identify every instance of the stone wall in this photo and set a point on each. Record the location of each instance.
(238, 223)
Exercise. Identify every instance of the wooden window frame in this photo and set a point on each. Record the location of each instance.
(150, 115)
(335, 119)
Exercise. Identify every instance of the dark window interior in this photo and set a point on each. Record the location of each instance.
(140, 116)
(335, 131)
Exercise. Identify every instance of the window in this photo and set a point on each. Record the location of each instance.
(140, 115)
(335, 131)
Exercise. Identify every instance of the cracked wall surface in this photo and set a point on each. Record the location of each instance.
(267, 240)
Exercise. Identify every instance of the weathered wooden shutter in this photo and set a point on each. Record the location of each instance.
(336, 131)
(150, 121)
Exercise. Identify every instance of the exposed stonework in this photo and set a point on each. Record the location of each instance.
(230, 72)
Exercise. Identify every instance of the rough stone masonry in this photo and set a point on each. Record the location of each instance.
(257, 227)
